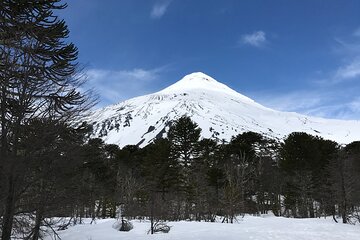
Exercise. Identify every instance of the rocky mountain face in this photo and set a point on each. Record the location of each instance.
(220, 112)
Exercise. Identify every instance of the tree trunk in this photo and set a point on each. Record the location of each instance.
(103, 208)
(343, 212)
(311, 208)
(334, 214)
(152, 213)
(9, 210)
(39, 212)
(36, 231)
(343, 207)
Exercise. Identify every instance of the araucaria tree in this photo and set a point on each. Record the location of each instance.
(304, 160)
(344, 173)
(184, 137)
(38, 81)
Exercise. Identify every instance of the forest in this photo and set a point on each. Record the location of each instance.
(50, 168)
(62, 173)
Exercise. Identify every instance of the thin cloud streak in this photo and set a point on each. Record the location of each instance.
(349, 53)
(115, 86)
(332, 95)
(255, 39)
(298, 101)
(159, 9)
(349, 71)
(357, 32)
(317, 103)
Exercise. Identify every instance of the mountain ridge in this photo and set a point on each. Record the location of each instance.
(220, 111)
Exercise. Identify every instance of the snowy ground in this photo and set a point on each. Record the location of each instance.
(250, 227)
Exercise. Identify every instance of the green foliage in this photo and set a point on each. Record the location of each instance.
(39, 88)
(184, 135)
(304, 152)
(246, 143)
(304, 159)
(159, 169)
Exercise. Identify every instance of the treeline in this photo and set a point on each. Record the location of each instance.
(58, 172)
(184, 177)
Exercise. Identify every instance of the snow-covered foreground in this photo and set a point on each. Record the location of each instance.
(250, 227)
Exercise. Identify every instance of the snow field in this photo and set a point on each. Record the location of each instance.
(248, 228)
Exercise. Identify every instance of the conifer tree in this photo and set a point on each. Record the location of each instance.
(184, 137)
(205, 191)
(345, 181)
(37, 80)
(304, 159)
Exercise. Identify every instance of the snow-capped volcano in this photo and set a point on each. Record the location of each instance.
(220, 111)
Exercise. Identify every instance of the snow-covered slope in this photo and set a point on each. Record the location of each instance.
(220, 111)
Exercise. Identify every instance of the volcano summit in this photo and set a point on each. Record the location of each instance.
(219, 111)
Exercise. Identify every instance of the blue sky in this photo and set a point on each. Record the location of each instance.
(301, 56)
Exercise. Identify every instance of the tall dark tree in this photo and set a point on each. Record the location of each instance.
(53, 158)
(160, 173)
(240, 170)
(246, 153)
(99, 176)
(38, 80)
(159, 169)
(304, 160)
(130, 181)
(345, 181)
(205, 174)
(184, 135)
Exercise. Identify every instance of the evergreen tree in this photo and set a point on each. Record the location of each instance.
(204, 181)
(159, 169)
(304, 160)
(345, 181)
(184, 135)
(38, 80)
(52, 161)
(131, 186)
(99, 175)
(160, 175)
(240, 171)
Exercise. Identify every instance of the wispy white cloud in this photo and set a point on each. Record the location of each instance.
(255, 39)
(346, 110)
(348, 48)
(348, 71)
(320, 103)
(357, 32)
(333, 93)
(296, 101)
(160, 8)
(348, 52)
(113, 86)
